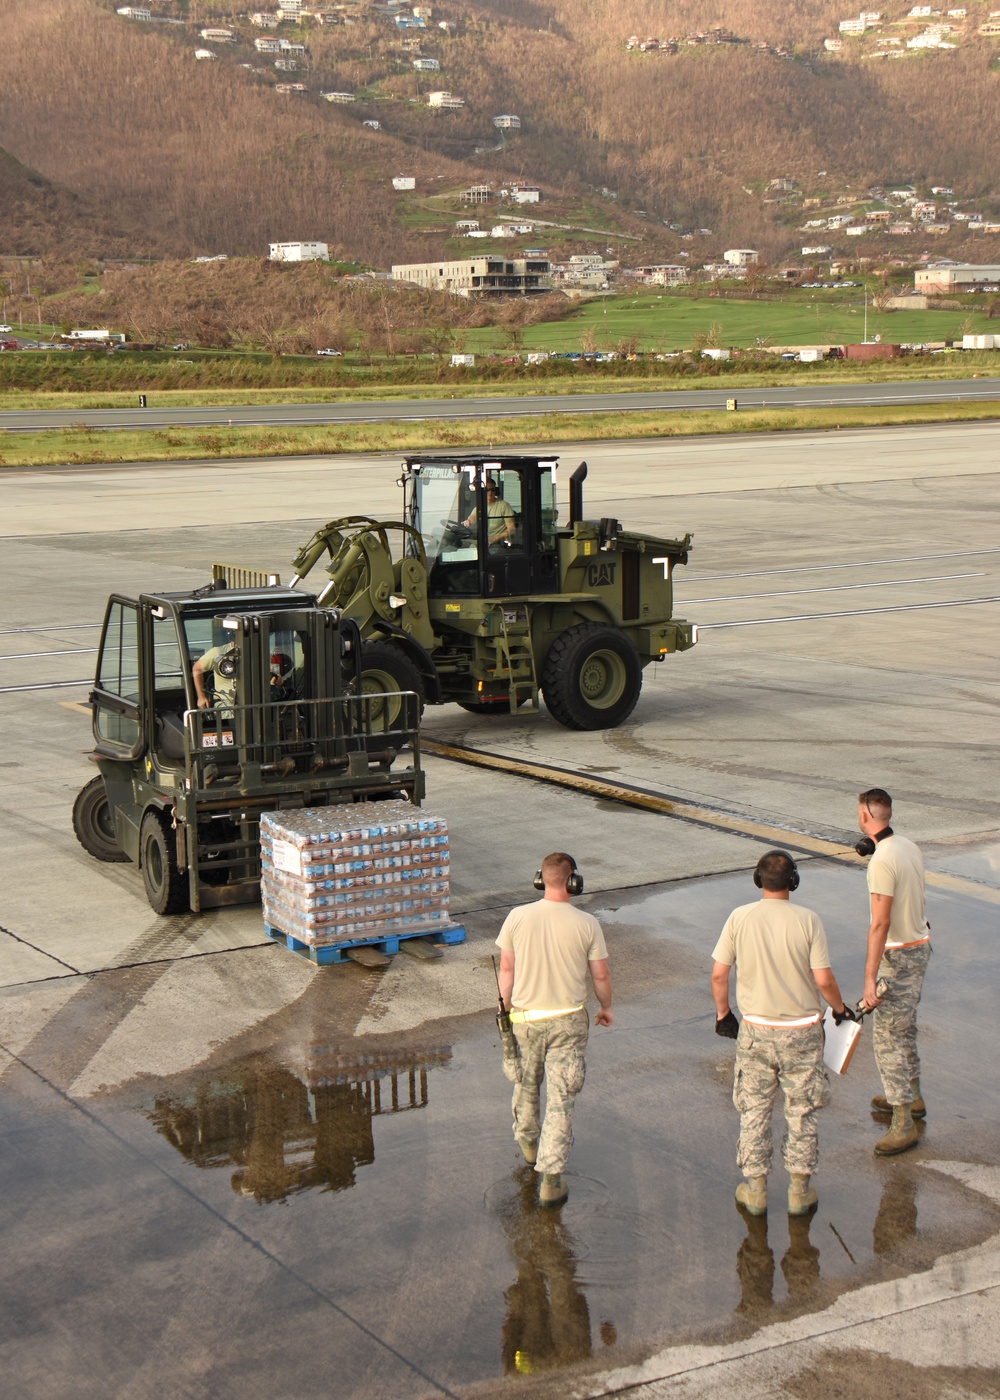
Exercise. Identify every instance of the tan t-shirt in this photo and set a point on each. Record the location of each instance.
(552, 943)
(775, 945)
(897, 868)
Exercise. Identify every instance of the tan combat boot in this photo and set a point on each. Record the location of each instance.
(901, 1135)
(801, 1196)
(917, 1108)
(752, 1195)
(529, 1149)
(553, 1190)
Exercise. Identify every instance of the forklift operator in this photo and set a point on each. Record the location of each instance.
(223, 663)
(499, 517)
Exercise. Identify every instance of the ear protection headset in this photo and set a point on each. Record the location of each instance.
(793, 874)
(574, 881)
(866, 846)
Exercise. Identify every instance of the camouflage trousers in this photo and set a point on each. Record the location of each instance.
(552, 1050)
(894, 1023)
(769, 1058)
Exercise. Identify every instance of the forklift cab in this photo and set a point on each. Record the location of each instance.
(488, 526)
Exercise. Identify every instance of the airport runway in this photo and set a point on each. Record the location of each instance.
(228, 1175)
(501, 405)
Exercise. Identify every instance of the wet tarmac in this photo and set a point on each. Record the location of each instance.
(314, 1212)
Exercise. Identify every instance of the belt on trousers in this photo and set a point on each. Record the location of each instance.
(895, 947)
(522, 1016)
(784, 1025)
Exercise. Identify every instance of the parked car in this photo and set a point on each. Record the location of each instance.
(6, 330)
(329, 352)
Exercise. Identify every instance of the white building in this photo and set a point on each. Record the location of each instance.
(218, 36)
(426, 65)
(664, 274)
(507, 122)
(524, 194)
(342, 97)
(817, 250)
(267, 45)
(444, 101)
(205, 55)
(134, 12)
(299, 252)
(941, 278)
(285, 65)
(487, 276)
(291, 89)
(263, 20)
(404, 182)
(740, 257)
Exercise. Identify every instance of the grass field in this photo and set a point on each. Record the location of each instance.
(670, 321)
(86, 447)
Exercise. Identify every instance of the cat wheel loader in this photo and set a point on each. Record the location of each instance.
(481, 595)
(213, 706)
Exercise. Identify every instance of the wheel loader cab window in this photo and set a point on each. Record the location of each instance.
(215, 661)
(287, 665)
(445, 501)
(549, 509)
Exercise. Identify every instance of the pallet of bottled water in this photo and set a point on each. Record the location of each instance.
(356, 873)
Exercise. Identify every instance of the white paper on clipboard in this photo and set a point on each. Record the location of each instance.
(840, 1042)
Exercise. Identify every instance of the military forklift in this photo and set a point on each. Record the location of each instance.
(213, 706)
(482, 596)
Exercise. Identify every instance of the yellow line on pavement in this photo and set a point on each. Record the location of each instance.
(684, 811)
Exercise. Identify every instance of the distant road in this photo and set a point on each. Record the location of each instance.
(507, 406)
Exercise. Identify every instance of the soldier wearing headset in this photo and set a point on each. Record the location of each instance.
(899, 949)
(783, 970)
(548, 950)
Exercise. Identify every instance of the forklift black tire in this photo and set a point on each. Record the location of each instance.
(386, 668)
(166, 886)
(94, 823)
(592, 677)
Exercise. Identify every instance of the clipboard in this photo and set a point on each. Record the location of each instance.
(839, 1042)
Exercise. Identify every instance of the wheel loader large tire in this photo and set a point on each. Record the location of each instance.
(166, 886)
(592, 677)
(94, 824)
(384, 669)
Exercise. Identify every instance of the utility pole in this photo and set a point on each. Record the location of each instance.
(866, 313)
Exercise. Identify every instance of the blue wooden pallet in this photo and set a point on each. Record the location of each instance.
(322, 954)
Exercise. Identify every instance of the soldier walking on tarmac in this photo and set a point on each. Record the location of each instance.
(547, 951)
(899, 949)
(782, 969)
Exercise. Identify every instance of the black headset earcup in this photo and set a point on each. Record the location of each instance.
(793, 880)
(756, 878)
(865, 847)
(574, 885)
(538, 881)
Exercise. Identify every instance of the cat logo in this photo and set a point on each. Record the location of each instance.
(600, 575)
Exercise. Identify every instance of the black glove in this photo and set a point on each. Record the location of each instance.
(728, 1026)
(846, 1015)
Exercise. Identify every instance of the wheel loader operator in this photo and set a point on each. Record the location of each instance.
(499, 517)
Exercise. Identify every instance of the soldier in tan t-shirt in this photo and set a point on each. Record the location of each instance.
(549, 952)
(898, 952)
(782, 978)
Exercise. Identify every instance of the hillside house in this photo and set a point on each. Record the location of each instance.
(264, 20)
(218, 36)
(267, 45)
(299, 252)
(205, 55)
(285, 65)
(521, 193)
(991, 29)
(838, 221)
(663, 274)
(477, 194)
(426, 65)
(507, 122)
(466, 225)
(833, 45)
(291, 89)
(817, 250)
(410, 22)
(341, 97)
(404, 182)
(328, 17)
(856, 230)
(878, 216)
(490, 276)
(445, 102)
(290, 10)
(134, 12)
(740, 257)
(510, 230)
(294, 50)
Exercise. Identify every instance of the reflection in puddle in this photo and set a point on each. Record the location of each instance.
(287, 1132)
(755, 1263)
(547, 1322)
